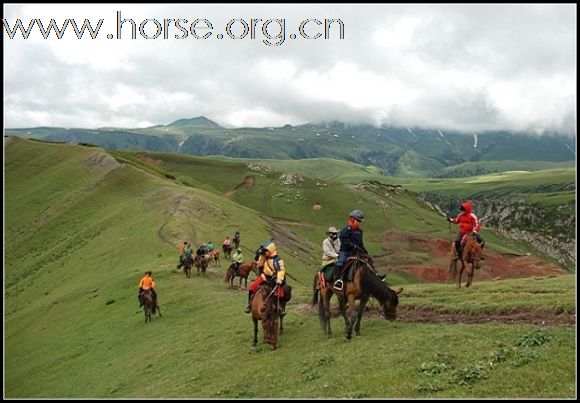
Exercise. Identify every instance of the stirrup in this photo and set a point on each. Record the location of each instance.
(248, 309)
(338, 284)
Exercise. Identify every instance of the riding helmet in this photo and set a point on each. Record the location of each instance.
(357, 214)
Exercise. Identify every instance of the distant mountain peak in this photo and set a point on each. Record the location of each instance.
(200, 121)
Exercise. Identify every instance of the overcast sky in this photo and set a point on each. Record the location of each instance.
(464, 67)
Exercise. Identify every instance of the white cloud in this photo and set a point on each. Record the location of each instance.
(467, 67)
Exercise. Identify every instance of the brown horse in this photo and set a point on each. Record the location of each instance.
(243, 272)
(213, 257)
(149, 306)
(470, 258)
(265, 308)
(187, 265)
(364, 285)
(227, 250)
(201, 264)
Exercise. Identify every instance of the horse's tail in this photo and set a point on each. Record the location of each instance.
(315, 290)
(228, 274)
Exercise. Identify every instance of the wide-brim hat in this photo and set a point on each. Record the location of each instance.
(332, 230)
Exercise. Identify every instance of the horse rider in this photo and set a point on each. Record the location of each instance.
(330, 247)
(227, 243)
(237, 260)
(185, 254)
(468, 223)
(200, 252)
(271, 266)
(147, 283)
(209, 247)
(351, 239)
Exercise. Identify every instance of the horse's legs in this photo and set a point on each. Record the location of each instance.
(324, 312)
(350, 316)
(281, 324)
(327, 299)
(460, 274)
(470, 271)
(255, 343)
(360, 310)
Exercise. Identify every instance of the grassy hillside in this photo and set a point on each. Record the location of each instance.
(310, 205)
(545, 186)
(489, 167)
(81, 229)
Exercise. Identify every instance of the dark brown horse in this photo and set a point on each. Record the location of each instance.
(149, 306)
(187, 265)
(265, 308)
(227, 250)
(201, 264)
(470, 259)
(365, 284)
(243, 272)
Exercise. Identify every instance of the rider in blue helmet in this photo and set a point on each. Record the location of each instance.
(351, 239)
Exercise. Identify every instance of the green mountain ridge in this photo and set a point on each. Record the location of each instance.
(395, 150)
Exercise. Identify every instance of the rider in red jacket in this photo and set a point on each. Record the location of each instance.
(468, 223)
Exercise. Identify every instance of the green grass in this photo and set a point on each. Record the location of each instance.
(555, 294)
(78, 238)
(468, 169)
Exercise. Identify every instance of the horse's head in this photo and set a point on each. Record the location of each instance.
(390, 304)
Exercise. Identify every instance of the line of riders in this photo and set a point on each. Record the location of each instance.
(337, 247)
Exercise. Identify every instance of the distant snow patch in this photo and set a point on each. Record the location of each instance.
(474, 140)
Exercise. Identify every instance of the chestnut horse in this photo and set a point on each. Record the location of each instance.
(243, 272)
(470, 257)
(265, 308)
(201, 264)
(213, 256)
(364, 285)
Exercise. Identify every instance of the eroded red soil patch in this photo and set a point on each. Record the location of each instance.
(496, 266)
(148, 160)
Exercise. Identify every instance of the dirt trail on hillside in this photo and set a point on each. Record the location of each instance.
(248, 182)
(424, 315)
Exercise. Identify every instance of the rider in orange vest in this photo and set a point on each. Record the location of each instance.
(147, 283)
